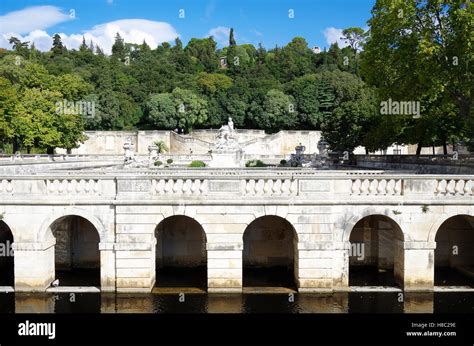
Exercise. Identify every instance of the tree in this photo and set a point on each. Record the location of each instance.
(161, 111)
(58, 48)
(191, 110)
(83, 46)
(354, 37)
(8, 101)
(203, 53)
(118, 48)
(19, 47)
(210, 83)
(33, 119)
(276, 112)
(348, 108)
(421, 51)
(231, 38)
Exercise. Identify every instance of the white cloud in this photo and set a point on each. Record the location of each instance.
(32, 18)
(220, 34)
(334, 35)
(131, 30)
(256, 32)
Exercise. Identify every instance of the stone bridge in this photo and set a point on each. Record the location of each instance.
(131, 223)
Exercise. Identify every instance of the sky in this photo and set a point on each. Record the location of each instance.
(270, 22)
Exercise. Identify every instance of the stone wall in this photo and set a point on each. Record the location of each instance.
(254, 142)
(111, 142)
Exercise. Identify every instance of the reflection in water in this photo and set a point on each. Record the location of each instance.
(354, 302)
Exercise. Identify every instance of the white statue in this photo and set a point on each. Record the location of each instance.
(226, 136)
(129, 153)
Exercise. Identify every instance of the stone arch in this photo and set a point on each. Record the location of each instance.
(45, 233)
(376, 251)
(180, 252)
(77, 254)
(352, 221)
(454, 252)
(270, 245)
(437, 224)
(6, 255)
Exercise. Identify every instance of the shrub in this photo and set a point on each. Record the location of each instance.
(158, 163)
(283, 162)
(169, 161)
(197, 163)
(161, 147)
(255, 163)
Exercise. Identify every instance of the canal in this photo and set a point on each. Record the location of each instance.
(352, 303)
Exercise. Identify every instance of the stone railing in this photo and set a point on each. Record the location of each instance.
(462, 187)
(170, 186)
(179, 187)
(377, 187)
(269, 187)
(6, 186)
(73, 186)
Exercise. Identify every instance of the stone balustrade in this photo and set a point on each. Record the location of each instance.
(6, 186)
(457, 187)
(235, 184)
(377, 187)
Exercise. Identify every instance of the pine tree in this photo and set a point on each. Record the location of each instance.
(58, 47)
(99, 50)
(118, 48)
(83, 46)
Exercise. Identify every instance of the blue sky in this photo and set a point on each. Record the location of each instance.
(265, 21)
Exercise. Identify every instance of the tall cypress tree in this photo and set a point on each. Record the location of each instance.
(232, 42)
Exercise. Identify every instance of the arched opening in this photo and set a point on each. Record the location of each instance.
(76, 254)
(181, 257)
(454, 253)
(7, 277)
(376, 253)
(269, 256)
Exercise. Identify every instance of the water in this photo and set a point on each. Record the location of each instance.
(354, 302)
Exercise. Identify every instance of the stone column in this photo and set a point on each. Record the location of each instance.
(107, 267)
(418, 266)
(315, 266)
(34, 265)
(340, 265)
(135, 266)
(224, 267)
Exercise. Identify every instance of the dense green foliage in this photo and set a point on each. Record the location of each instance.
(422, 51)
(339, 91)
(255, 163)
(197, 163)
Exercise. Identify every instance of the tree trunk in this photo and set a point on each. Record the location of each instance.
(28, 150)
(445, 148)
(418, 148)
(15, 145)
(50, 151)
(433, 148)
